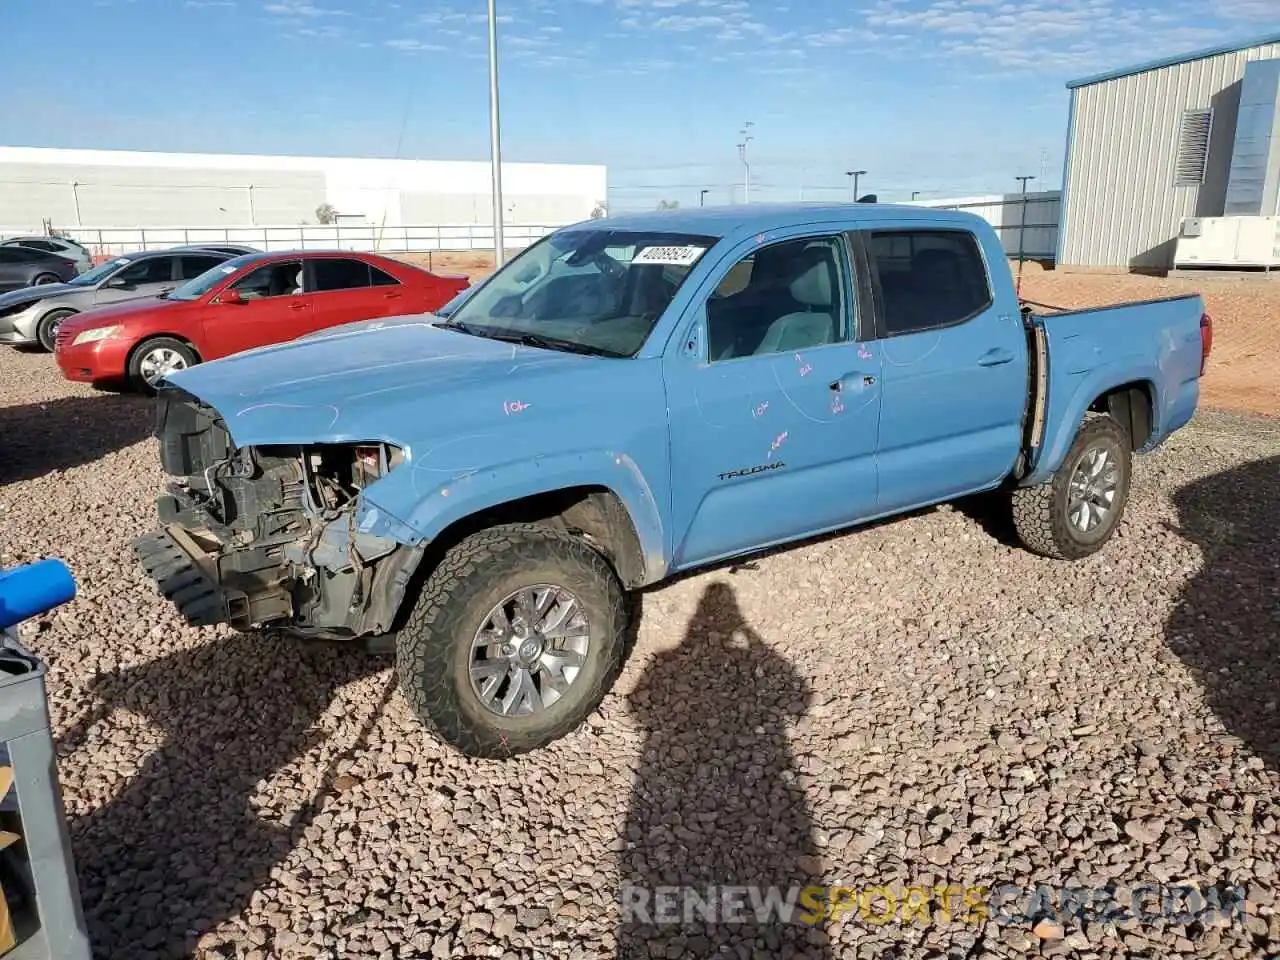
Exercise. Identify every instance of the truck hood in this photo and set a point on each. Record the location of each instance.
(402, 381)
(26, 295)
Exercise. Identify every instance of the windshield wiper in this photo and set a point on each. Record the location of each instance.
(554, 343)
(461, 328)
(530, 339)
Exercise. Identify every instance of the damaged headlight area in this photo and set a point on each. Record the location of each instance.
(268, 535)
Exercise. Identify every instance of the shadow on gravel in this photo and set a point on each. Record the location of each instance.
(991, 512)
(1226, 627)
(37, 438)
(716, 803)
(181, 849)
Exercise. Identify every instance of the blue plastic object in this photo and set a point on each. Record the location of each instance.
(31, 590)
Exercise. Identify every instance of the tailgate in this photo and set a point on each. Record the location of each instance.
(1089, 353)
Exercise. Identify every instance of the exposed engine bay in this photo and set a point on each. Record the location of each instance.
(266, 536)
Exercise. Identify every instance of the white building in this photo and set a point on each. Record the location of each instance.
(1154, 145)
(105, 189)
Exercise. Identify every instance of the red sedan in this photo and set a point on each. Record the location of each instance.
(246, 302)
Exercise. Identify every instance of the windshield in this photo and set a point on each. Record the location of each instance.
(99, 273)
(589, 288)
(197, 287)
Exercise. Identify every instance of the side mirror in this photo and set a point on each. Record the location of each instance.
(230, 296)
(119, 283)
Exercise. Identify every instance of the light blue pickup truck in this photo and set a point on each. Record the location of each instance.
(630, 398)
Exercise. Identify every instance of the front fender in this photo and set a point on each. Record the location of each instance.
(419, 500)
(31, 317)
(1076, 394)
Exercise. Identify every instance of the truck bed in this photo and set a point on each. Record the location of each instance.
(1080, 354)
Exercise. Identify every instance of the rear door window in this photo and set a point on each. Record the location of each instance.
(192, 267)
(382, 279)
(339, 273)
(928, 278)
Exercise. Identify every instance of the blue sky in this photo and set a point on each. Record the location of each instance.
(942, 96)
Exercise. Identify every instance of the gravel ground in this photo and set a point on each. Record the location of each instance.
(914, 704)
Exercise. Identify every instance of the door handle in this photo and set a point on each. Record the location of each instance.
(393, 295)
(995, 357)
(866, 379)
(297, 306)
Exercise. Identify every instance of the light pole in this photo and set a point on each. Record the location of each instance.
(1022, 232)
(853, 176)
(746, 164)
(702, 197)
(495, 141)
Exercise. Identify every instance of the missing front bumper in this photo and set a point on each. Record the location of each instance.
(189, 577)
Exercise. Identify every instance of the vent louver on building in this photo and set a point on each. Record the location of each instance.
(1193, 148)
(1253, 183)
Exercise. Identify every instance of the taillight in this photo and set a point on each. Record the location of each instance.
(1206, 340)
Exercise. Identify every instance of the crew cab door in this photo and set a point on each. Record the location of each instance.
(273, 307)
(955, 362)
(773, 402)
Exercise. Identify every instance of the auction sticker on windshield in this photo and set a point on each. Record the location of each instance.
(685, 256)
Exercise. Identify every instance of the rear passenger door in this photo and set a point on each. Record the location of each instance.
(954, 364)
(344, 292)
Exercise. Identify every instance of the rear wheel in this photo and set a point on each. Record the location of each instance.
(44, 278)
(47, 329)
(515, 638)
(1079, 509)
(155, 359)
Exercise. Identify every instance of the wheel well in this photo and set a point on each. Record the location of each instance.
(133, 352)
(1130, 405)
(594, 513)
(69, 311)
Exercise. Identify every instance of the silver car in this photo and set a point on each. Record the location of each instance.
(31, 316)
(72, 250)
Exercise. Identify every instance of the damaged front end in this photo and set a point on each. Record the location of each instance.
(267, 535)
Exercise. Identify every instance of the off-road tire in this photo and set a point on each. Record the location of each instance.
(1040, 512)
(433, 649)
(47, 328)
(136, 379)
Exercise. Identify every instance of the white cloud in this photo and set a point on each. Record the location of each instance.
(409, 45)
(1061, 37)
(302, 8)
(1247, 9)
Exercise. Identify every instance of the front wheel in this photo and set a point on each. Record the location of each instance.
(1079, 509)
(47, 329)
(515, 638)
(157, 358)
